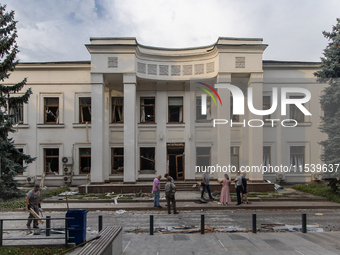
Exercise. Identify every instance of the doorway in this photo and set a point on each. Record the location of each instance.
(175, 161)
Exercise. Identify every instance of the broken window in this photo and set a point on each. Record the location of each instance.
(266, 106)
(176, 109)
(117, 110)
(233, 117)
(18, 114)
(51, 110)
(203, 158)
(294, 112)
(147, 159)
(266, 156)
(51, 159)
(147, 109)
(235, 157)
(85, 160)
(199, 115)
(85, 109)
(117, 159)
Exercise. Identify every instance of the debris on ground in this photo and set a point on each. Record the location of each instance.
(139, 194)
(68, 193)
(270, 227)
(216, 193)
(119, 212)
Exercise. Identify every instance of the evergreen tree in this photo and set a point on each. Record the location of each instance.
(330, 104)
(11, 159)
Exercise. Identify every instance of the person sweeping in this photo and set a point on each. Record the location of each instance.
(32, 200)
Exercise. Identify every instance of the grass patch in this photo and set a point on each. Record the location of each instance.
(4, 250)
(319, 190)
(21, 202)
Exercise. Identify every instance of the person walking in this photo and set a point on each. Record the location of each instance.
(32, 201)
(225, 191)
(156, 188)
(238, 187)
(170, 190)
(244, 191)
(205, 180)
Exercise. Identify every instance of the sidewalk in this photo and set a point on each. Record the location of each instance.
(211, 205)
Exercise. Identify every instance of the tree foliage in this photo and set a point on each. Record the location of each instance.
(11, 159)
(330, 103)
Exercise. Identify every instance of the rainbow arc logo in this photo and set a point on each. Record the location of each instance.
(204, 97)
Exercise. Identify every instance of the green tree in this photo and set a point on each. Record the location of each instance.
(11, 159)
(330, 103)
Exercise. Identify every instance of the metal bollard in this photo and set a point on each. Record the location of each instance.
(100, 223)
(254, 223)
(1, 228)
(48, 225)
(304, 223)
(151, 225)
(202, 224)
(66, 231)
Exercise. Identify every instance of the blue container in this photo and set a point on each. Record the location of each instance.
(77, 234)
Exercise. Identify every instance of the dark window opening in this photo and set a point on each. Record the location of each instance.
(147, 159)
(266, 106)
(147, 109)
(85, 109)
(51, 110)
(175, 109)
(117, 110)
(85, 160)
(51, 159)
(235, 157)
(117, 159)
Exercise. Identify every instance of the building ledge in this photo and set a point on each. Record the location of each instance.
(80, 125)
(20, 126)
(50, 125)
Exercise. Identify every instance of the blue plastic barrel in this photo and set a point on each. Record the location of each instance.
(77, 234)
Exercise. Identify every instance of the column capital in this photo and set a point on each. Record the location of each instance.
(255, 78)
(129, 78)
(224, 77)
(97, 78)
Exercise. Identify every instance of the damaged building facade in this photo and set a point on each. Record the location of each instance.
(135, 111)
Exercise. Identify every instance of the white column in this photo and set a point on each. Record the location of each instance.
(107, 155)
(256, 133)
(130, 141)
(161, 120)
(97, 128)
(223, 131)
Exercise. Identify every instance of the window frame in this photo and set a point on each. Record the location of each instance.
(264, 117)
(173, 106)
(116, 156)
(231, 111)
(304, 158)
(45, 157)
(58, 109)
(81, 107)
(238, 156)
(140, 109)
(270, 153)
(203, 156)
(112, 111)
(199, 109)
(22, 112)
(140, 159)
(83, 156)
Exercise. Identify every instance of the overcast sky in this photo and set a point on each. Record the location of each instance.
(56, 30)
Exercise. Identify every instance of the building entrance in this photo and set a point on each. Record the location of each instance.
(175, 161)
